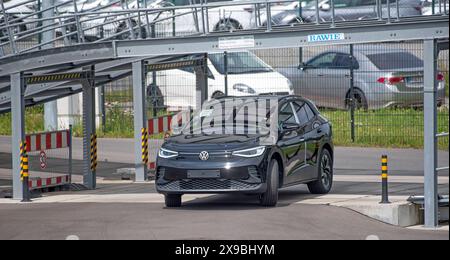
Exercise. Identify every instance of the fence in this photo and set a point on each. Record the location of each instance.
(50, 159)
(386, 81)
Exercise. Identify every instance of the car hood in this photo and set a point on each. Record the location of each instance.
(210, 143)
(261, 82)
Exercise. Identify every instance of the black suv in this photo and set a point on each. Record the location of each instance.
(242, 160)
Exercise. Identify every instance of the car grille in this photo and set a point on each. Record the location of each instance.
(207, 184)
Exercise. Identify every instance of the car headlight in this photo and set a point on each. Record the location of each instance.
(252, 152)
(166, 154)
(244, 88)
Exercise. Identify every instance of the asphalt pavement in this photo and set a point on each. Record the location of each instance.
(135, 211)
(217, 219)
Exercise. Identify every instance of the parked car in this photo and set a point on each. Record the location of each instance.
(301, 153)
(382, 78)
(247, 75)
(186, 20)
(17, 10)
(346, 10)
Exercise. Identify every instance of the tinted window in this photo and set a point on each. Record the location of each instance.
(286, 114)
(344, 61)
(323, 61)
(366, 2)
(191, 70)
(302, 113)
(310, 113)
(395, 60)
(239, 63)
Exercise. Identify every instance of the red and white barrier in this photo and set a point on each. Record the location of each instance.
(48, 141)
(42, 183)
(163, 124)
(159, 125)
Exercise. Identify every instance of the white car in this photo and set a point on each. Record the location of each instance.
(247, 75)
(187, 20)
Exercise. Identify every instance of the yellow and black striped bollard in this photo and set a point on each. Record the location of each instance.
(144, 137)
(93, 152)
(24, 172)
(384, 180)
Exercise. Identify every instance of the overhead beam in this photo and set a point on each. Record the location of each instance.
(373, 32)
(57, 77)
(56, 56)
(416, 28)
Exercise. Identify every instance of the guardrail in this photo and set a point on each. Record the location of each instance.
(67, 23)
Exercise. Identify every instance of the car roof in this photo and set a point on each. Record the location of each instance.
(368, 49)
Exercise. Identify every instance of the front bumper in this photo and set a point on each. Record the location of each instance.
(241, 176)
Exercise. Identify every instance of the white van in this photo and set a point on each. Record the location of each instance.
(247, 75)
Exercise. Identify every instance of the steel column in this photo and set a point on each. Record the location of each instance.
(225, 68)
(140, 118)
(102, 107)
(18, 129)
(89, 175)
(352, 94)
(50, 108)
(430, 130)
(201, 90)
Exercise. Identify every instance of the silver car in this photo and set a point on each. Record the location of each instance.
(346, 10)
(383, 77)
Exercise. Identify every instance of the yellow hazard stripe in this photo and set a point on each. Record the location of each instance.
(384, 176)
(55, 77)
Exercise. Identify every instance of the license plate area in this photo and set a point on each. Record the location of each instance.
(203, 174)
(415, 80)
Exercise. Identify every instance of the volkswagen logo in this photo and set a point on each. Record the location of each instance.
(204, 156)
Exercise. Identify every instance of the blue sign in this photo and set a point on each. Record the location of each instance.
(326, 37)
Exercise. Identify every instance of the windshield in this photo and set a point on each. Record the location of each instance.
(395, 60)
(234, 117)
(239, 63)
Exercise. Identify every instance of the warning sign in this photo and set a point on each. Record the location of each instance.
(43, 160)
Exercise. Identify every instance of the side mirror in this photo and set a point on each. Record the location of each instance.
(302, 66)
(290, 126)
(325, 7)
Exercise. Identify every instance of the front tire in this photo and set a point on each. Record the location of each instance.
(270, 197)
(173, 200)
(227, 25)
(325, 182)
(127, 35)
(359, 99)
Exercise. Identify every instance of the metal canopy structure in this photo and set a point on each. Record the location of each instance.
(35, 75)
(47, 83)
(54, 82)
(284, 37)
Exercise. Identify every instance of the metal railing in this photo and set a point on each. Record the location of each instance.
(21, 30)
